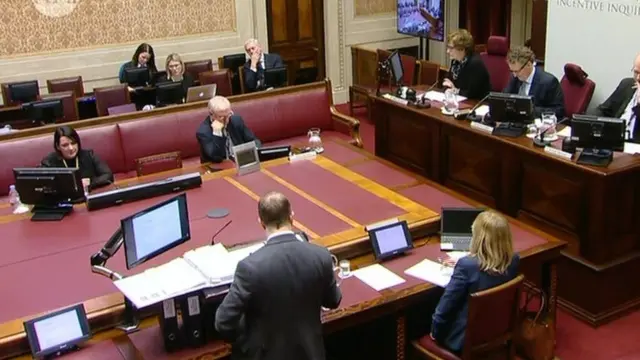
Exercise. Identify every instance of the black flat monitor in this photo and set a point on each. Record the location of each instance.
(137, 76)
(511, 112)
(155, 230)
(273, 152)
(169, 93)
(159, 77)
(397, 70)
(58, 332)
(233, 63)
(52, 191)
(44, 112)
(24, 92)
(390, 240)
(598, 137)
(275, 77)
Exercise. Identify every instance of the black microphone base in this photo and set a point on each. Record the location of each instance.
(540, 142)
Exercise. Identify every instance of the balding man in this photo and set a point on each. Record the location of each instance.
(624, 103)
(257, 63)
(272, 310)
(221, 131)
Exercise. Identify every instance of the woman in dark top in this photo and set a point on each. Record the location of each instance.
(491, 262)
(143, 57)
(70, 154)
(467, 75)
(175, 72)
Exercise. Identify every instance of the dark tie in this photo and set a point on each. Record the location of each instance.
(636, 128)
(260, 70)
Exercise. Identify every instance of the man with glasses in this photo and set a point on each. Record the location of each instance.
(221, 131)
(624, 103)
(530, 80)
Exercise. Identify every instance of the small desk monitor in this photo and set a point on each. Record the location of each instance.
(169, 93)
(246, 158)
(511, 111)
(201, 93)
(233, 62)
(52, 191)
(390, 240)
(155, 230)
(159, 77)
(598, 136)
(137, 77)
(396, 67)
(44, 112)
(275, 77)
(57, 332)
(273, 152)
(24, 92)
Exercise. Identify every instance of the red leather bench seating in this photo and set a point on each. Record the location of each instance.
(275, 117)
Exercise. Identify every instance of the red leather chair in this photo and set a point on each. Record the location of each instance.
(194, 68)
(577, 89)
(222, 78)
(7, 98)
(492, 325)
(495, 59)
(69, 105)
(110, 96)
(428, 72)
(66, 84)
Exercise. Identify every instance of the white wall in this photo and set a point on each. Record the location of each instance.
(600, 36)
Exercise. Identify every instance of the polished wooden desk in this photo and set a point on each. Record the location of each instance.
(596, 209)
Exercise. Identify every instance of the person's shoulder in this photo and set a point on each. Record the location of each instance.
(627, 82)
(546, 76)
(469, 263)
(236, 120)
(52, 157)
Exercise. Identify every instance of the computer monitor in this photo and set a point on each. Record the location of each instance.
(273, 152)
(396, 67)
(598, 136)
(275, 77)
(246, 158)
(52, 191)
(169, 93)
(45, 112)
(159, 77)
(137, 76)
(511, 112)
(24, 92)
(155, 230)
(233, 62)
(57, 332)
(390, 240)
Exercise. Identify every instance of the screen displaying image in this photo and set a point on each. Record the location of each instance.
(424, 18)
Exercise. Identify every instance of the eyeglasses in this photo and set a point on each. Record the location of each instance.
(514, 72)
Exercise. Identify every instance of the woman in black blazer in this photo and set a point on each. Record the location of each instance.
(174, 67)
(467, 75)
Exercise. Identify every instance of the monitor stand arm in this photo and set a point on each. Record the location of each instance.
(98, 266)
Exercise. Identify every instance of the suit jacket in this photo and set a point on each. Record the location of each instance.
(273, 308)
(546, 92)
(90, 165)
(450, 317)
(473, 79)
(271, 61)
(213, 148)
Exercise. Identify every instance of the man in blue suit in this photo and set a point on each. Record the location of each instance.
(257, 63)
(533, 81)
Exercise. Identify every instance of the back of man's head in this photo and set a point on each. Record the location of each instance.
(274, 211)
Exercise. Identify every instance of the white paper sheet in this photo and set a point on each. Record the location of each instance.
(631, 148)
(431, 271)
(439, 96)
(482, 110)
(378, 277)
(565, 132)
(456, 255)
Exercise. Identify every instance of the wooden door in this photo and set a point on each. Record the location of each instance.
(539, 28)
(296, 32)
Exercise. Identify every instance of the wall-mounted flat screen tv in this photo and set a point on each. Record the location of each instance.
(424, 18)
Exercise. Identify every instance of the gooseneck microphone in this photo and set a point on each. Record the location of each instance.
(470, 114)
(219, 231)
(539, 139)
(422, 102)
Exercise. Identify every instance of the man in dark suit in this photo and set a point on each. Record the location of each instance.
(272, 310)
(533, 81)
(257, 63)
(624, 103)
(221, 131)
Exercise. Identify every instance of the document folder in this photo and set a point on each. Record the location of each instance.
(169, 326)
(193, 319)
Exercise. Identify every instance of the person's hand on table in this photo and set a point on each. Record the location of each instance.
(131, 89)
(448, 84)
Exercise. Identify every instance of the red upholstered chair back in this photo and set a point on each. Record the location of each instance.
(158, 163)
(121, 109)
(7, 98)
(222, 79)
(69, 105)
(428, 72)
(110, 96)
(577, 89)
(495, 59)
(409, 65)
(194, 68)
(66, 84)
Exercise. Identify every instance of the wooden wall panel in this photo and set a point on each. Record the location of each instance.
(278, 12)
(305, 19)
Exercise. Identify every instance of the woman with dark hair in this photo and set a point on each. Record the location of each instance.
(467, 74)
(70, 154)
(143, 57)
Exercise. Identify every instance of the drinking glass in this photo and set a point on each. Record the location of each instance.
(450, 101)
(549, 122)
(345, 269)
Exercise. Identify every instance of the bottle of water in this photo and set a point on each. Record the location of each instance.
(14, 197)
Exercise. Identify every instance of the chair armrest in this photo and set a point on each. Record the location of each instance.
(352, 124)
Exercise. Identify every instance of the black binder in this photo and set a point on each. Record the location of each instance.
(169, 326)
(193, 319)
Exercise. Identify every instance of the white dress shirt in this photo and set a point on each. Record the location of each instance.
(279, 233)
(629, 116)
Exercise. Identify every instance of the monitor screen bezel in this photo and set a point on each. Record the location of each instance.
(373, 237)
(443, 209)
(170, 88)
(37, 107)
(396, 78)
(280, 74)
(31, 85)
(277, 149)
(129, 240)
(135, 72)
(28, 197)
(32, 335)
(505, 98)
(579, 121)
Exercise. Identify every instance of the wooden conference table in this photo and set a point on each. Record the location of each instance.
(333, 197)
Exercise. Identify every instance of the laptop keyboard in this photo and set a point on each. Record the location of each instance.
(460, 240)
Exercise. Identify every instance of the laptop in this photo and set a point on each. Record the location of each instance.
(455, 228)
(273, 152)
(200, 93)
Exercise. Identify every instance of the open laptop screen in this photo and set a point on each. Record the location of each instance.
(458, 220)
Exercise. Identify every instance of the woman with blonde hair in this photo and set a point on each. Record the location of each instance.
(491, 262)
(174, 67)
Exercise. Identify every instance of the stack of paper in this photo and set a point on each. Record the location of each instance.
(439, 96)
(431, 271)
(214, 262)
(378, 277)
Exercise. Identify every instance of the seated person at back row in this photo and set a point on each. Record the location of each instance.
(256, 64)
(467, 73)
(175, 73)
(70, 154)
(143, 57)
(491, 262)
(533, 81)
(221, 131)
(624, 103)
